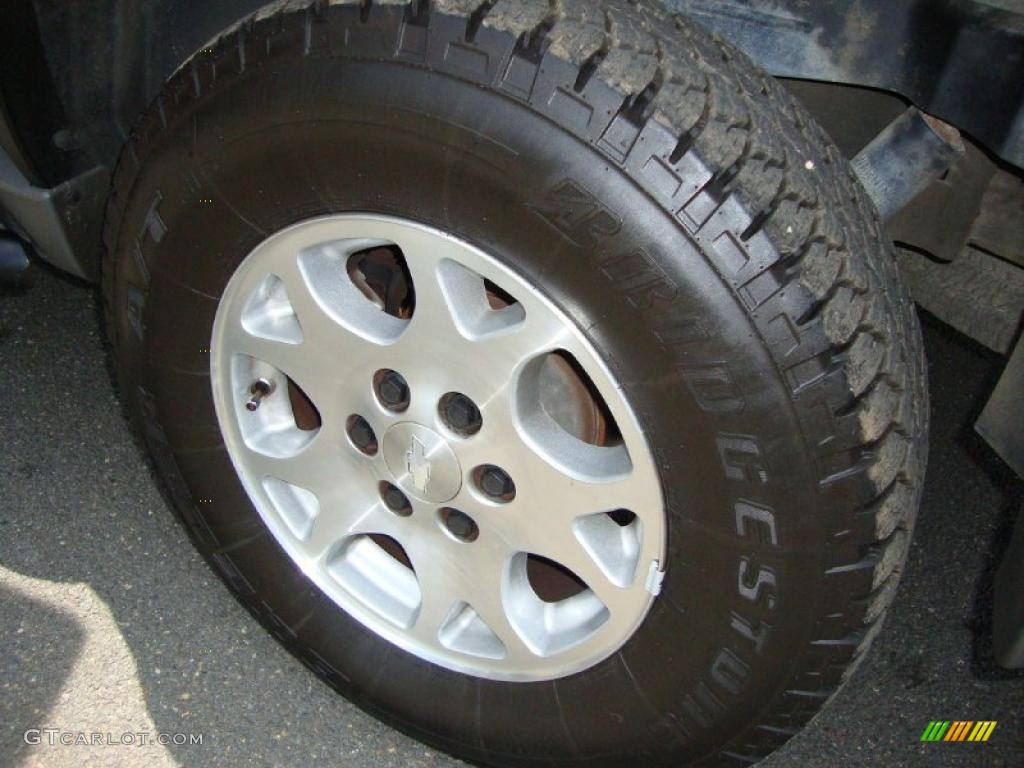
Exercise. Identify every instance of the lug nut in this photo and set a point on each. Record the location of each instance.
(259, 389)
(361, 434)
(395, 500)
(496, 483)
(392, 390)
(459, 524)
(460, 414)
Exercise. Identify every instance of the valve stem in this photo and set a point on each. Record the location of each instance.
(259, 389)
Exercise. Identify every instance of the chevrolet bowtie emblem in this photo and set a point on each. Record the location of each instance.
(417, 464)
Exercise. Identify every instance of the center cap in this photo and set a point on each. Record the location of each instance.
(422, 462)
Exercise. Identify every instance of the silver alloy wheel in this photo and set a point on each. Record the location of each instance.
(460, 592)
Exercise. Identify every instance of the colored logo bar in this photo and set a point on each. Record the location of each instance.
(958, 730)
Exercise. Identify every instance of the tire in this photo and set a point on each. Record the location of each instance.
(693, 222)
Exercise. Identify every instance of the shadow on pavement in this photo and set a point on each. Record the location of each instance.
(40, 645)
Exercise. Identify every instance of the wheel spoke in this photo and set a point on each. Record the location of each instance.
(335, 524)
(567, 551)
(464, 574)
(439, 594)
(320, 330)
(565, 497)
(310, 372)
(307, 467)
(550, 491)
(549, 501)
(454, 325)
(493, 612)
(340, 510)
(327, 352)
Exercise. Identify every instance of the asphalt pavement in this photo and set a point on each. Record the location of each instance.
(110, 623)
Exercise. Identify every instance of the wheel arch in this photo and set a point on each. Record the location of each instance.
(94, 66)
(75, 78)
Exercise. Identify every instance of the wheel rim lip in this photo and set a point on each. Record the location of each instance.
(227, 419)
